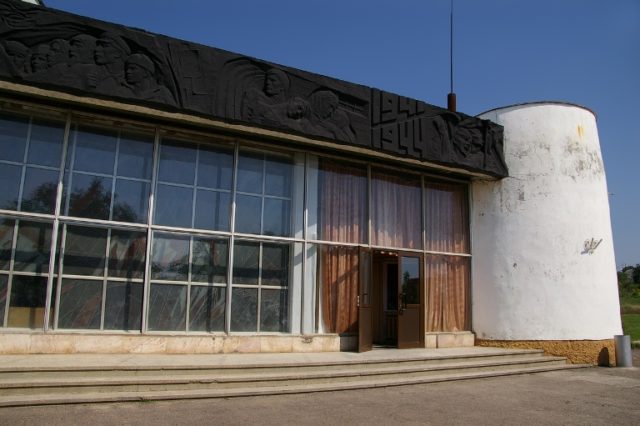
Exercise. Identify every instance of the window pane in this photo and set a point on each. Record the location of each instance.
(212, 210)
(130, 201)
(173, 206)
(10, 184)
(84, 252)
(278, 177)
(411, 280)
(246, 263)
(45, 146)
(39, 192)
(207, 308)
(447, 218)
(135, 156)
(177, 162)
(244, 309)
(4, 283)
(248, 211)
(448, 293)
(13, 137)
(342, 202)
(123, 307)
(250, 173)
(95, 150)
(167, 307)
(214, 168)
(396, 211)
(80, 304)
(127, 254)
(33, 247)
(275, 264)
(170, 258)
(90, 196)
(26, 307)
(209, 260)
(6, 240)
(277, 216)
(274, 306)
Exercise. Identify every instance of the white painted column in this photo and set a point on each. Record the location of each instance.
(533, 275)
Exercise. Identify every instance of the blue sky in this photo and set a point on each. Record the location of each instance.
(580, 51)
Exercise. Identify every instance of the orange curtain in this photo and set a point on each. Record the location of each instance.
(395, 211)
(339, 274)
(448, 295)
(342, 202)
(447, 218)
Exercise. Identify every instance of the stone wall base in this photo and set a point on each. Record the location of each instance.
(40, 343)
(454, 339)
(595, 352)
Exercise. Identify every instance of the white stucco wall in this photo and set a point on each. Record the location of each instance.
(532, 279)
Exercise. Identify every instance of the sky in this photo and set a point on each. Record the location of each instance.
(506, 52)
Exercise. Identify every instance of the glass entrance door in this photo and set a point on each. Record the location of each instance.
(410, 305)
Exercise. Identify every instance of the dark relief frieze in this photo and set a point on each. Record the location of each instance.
(53, 49)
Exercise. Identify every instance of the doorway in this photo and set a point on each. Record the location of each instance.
(396, 309)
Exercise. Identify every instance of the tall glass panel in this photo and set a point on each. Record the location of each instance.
(188, 280)
(194, 186)
(447, 217)
(29, 163)
(108, 174)
(24, 264)
(264, 193)
(101, 278)
(448, 293)
(341, 200)
(260, 294)
(396, 210)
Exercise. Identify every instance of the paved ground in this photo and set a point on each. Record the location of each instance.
(595, 396)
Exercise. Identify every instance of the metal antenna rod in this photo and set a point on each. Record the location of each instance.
(451, 97)
(451, 45)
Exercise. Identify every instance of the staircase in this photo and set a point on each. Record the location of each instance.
(75, 378)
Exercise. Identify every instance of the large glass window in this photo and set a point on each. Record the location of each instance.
(260, 298)
(112, 270)
(108, 174)
(194, 186)
(30, 155)
(188, 283)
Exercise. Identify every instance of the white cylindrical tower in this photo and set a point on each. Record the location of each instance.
(543, 260)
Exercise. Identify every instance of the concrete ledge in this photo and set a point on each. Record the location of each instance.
(594, 352)
(454, 339)
(40, 343)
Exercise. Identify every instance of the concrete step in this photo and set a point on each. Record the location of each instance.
(95, 382)
(362, 383)
(166, 366)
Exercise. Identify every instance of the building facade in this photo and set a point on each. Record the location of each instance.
(162, 196)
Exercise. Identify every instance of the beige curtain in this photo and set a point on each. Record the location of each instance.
(448, 298)
(395, 211)
(339, 274)
(342, 203)
(447, 215)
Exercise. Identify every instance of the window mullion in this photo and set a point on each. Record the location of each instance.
(234, 183)
(150, 211)
(56, 226)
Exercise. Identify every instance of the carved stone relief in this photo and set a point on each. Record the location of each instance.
(49, 48)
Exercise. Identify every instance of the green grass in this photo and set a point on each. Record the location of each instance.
(631, 325)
